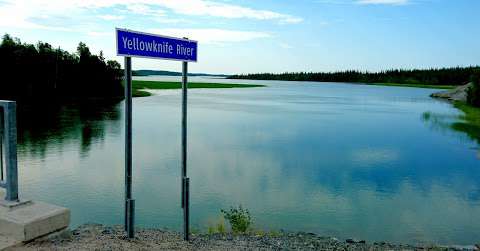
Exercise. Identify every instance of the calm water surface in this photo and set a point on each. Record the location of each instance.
(370, 162)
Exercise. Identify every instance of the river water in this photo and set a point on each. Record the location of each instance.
(343, 160)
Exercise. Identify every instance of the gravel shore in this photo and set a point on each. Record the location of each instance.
(457, 94)
(100, 237)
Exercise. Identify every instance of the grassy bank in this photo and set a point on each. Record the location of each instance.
(471, 121)
(140, 88)
(472, 114)
(415, 85)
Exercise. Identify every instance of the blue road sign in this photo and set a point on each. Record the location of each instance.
(139, 44)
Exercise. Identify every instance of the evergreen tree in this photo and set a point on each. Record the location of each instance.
(473, 97)
(40, 72)
(444, 76)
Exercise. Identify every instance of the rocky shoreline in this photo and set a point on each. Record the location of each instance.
(457, 94)
(100, 237)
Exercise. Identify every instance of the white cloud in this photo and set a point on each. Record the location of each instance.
(111, 17)
(19, 15)
(365, 2)
(216, 9)
(385, 2)
(212, 36)
(144, 9)
(166, 20)
(99, 34)
(285, 46)
(291, 20)
(16, 13)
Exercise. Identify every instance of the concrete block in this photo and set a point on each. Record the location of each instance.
(31, 220)
(8, 242)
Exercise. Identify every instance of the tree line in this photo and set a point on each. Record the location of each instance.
(39, 72)
(473, 93)
(443, 76)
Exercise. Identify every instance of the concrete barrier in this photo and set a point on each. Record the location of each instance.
(28, 220)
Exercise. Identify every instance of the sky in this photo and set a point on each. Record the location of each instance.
(251, 36)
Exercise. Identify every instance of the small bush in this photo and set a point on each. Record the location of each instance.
(239, 219)
(473, 93)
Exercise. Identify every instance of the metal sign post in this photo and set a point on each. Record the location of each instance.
(129, 202)
(185, 180)
(140, 44)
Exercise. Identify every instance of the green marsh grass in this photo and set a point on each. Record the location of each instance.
(140, 88)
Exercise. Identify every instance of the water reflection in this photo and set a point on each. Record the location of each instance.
(42, 128)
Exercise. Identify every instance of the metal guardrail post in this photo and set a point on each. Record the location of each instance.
(10, 149)
(1, 145)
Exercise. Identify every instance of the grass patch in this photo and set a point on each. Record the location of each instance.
(471, 118)
(140, 93)
(472, 114)
(416, 85)
(139, 87)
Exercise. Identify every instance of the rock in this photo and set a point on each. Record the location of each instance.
(457, 94)
(107, 231)
(462, 247)
(351, 241)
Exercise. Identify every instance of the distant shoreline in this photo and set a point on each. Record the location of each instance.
(147, 73)
(441, 77)
(141, 87)
(447, 87)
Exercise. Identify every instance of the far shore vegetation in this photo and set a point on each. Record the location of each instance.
(143, 73)
(41, 72)
(438, 78)
(140, 87)
(415, 85)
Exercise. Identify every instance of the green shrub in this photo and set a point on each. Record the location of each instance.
(239, 219)
(473, 93)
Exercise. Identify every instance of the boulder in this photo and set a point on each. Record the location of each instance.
(457, 94)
